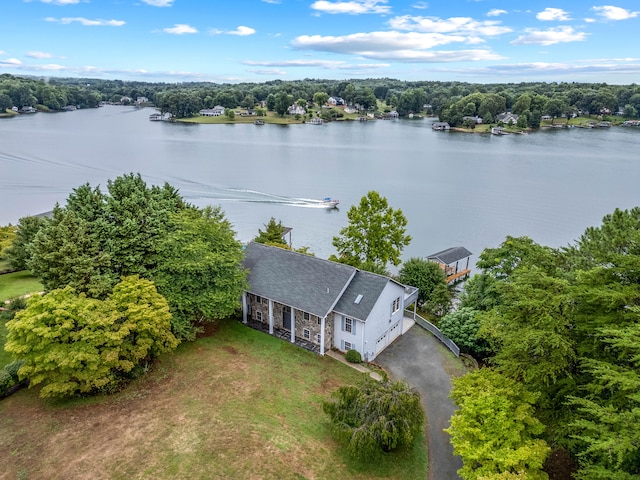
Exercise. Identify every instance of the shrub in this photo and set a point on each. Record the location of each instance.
(6, 382)
(12, 369)
(375, 416)
(353, 356)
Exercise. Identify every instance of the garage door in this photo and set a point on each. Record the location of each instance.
(381, 343)
(394, 332)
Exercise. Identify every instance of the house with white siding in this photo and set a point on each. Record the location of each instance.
(320, 305)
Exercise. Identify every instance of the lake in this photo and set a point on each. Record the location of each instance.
(454, 188)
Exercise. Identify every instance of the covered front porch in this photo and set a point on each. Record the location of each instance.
(284, 335)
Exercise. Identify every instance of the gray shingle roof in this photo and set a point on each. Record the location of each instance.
(450, 255)
(367, 284)
(301, 281)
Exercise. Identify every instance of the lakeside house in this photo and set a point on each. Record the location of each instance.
(216, 111)
(507, 117)
(476, 120)
(296, 109)
(320, 305)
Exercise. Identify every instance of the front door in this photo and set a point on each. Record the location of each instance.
(286, 318)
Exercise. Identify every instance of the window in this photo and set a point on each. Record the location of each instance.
(259, 316)
(264, 300)
(306, 333)
(305, 315)
(396, 305)
(319, 321)
(348, 325)
(318, 338)
(258, 299)
(348, 346)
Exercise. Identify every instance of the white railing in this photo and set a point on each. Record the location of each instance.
(427, 325)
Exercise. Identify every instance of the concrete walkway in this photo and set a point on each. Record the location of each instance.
(358, 366)
(416, 357)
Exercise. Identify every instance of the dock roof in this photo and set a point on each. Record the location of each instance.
(450, 255)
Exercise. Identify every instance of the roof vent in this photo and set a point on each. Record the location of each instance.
(358, 298)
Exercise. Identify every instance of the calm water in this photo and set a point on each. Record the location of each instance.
(454, 189)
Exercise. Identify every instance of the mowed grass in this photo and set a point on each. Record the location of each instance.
(18, 283)
(237, 404)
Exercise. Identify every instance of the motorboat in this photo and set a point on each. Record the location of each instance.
(329, 202)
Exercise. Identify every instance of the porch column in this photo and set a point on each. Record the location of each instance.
(293, 325)
(270, 317)
(244, 307)
(322, 323)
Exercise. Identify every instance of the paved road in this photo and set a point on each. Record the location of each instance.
(416, 358)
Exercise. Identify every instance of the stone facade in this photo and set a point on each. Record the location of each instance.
(259, 312)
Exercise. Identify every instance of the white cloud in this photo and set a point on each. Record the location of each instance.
(453, 25)
(614, 13)
(180, 29)
(394, 46)
(39, 55)
(10, 62)
(496, 12)
(352, 7)
(268, 71)
(159, 3)
(62, 2)
(590, 20)
(242, 31)
(86, 22)
(326, 64)
(420, 5)
(550, 36)
(554, 69)
(272, 2)
(553, 14)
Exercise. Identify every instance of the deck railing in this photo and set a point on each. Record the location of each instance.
(427, 325)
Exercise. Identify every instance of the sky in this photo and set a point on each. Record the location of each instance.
(230, 41)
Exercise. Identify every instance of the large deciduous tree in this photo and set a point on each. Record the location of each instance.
(200, 272)
(74, 345)
(375, 236)
(433, 295)
(495, 430)
(375, 416)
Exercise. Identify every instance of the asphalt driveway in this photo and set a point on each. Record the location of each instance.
(416, 358)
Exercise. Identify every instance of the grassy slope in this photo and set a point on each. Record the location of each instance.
(238, 404)
(16, 284)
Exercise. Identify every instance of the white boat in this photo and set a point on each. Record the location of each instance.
(329, 202)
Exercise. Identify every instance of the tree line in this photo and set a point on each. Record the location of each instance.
(558, 333)
(451, 101)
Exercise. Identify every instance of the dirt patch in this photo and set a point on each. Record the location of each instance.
(209, 329)
(560, 465)
(230, 349)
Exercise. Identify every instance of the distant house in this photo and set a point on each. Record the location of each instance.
(320, 305)
(316, 121)
(476, 120)
(441, 126)
(212, 112)
(350, 109)
(393, 114)
(126, 100)
(26, 109)
(454, 262)
(507, 117)
(335, 101)
(140, 100)
(296, 109)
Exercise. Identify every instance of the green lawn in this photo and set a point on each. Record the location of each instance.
(237, 404)
(16, 284)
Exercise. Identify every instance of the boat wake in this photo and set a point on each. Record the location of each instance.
(194, 191)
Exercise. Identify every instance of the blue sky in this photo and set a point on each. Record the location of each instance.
(480, 41)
